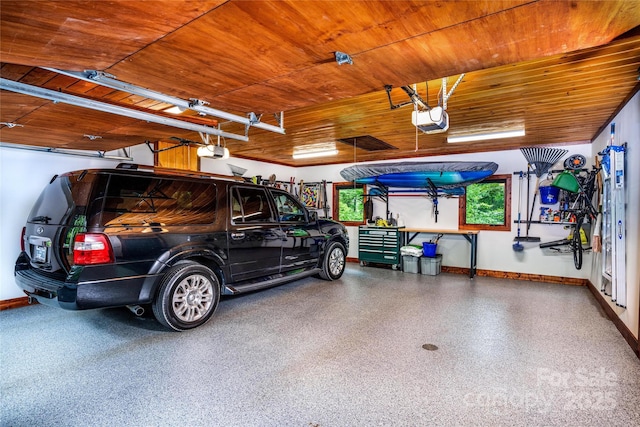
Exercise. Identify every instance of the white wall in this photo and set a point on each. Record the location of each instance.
(627, 130)
(23, 175)
(495, 248)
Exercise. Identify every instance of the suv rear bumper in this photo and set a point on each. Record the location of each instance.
(46, 290)
(54, 292)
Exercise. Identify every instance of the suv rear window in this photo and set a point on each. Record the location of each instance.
(66, 194)
(144, 201)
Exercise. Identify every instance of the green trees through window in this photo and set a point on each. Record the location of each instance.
(348, 203)
(351, 205)
(486, 205)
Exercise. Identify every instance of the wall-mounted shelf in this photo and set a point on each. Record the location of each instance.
(545, 222)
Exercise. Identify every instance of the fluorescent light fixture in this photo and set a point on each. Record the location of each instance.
(486, 136)
(318, 153)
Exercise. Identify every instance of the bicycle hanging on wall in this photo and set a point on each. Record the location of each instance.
(579, 186)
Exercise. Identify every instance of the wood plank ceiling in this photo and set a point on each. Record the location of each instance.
(557, 68)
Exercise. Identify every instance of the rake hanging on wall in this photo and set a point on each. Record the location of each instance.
(540, 161)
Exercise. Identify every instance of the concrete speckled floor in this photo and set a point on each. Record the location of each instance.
(344, 353)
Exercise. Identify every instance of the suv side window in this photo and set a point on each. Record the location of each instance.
(138, 200)
(250, 205)
(289, 210)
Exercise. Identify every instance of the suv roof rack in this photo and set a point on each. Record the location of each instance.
(180, 172)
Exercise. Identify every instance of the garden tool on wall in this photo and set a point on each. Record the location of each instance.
(432, 191)
(540, 160)
(517, 246)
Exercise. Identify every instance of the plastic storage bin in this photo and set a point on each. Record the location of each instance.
(410, 264)
(431, 266)
(549, 195)
(429, 249)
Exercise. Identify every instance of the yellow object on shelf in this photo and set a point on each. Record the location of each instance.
(382, 223)
(583, 236)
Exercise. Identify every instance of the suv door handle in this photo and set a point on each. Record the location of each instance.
(237, 236)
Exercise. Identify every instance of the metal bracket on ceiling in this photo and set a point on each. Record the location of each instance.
(253, 121)
(195, 102)
(279, 118)
(417, 101)
(206, 139)
(446, 96)
(199, 106)
(11, 125)
(253, 118)
(92, 137)
(97, 75)
(343, 58)
(391, 104)
(415, 98)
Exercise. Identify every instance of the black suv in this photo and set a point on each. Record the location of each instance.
(174, 241)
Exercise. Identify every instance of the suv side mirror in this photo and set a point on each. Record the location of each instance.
(313, 216)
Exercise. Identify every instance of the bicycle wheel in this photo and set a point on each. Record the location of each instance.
(576, 244)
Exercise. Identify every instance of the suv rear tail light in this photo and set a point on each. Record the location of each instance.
(92, 248)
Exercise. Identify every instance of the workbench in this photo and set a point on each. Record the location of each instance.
(408, 234)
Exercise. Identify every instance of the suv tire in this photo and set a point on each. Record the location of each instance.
(189, 294)
(334, 260)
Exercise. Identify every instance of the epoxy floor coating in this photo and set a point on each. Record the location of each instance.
(378, 347)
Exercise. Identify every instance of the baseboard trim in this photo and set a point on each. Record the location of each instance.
(613, 316)
(14, 303)
(518, 276)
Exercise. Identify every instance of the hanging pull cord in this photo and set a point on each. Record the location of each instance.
(415, 108)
